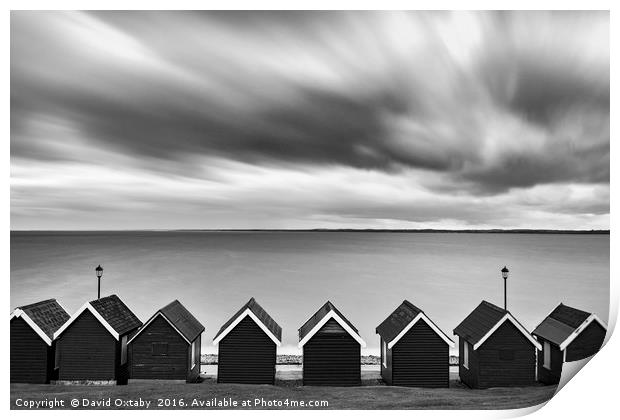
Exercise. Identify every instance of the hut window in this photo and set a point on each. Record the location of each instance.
(466, 355)
(547, 355)
(159, 349)
(194, 353)
(124, 350)
(506, 354)
(384, 354)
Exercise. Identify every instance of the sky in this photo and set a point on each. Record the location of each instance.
(298, 120)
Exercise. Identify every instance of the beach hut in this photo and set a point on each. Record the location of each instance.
(93, 342)
(331, 349)
(247, 346)
(167, 346)
(32, 345)
(495, 350)
(414, 351)
(566, 335)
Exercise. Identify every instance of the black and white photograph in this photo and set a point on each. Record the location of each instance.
(307, 209)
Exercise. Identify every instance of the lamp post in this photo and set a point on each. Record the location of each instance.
(505, 272)
(99, 272)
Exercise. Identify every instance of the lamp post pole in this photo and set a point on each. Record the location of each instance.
(99, 272)
(505, 272)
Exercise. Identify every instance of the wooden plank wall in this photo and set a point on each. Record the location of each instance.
(494, 369)
(87, 351)
(587, 343)
(246, 355)
(332, 357)
(145, 365)
(420, 359)
(29, 354)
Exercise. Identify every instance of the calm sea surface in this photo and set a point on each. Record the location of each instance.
(291, 274)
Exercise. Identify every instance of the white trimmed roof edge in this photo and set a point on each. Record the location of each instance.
(421, 317)
(87, 307)
(580, 329)
(18, 313)
(250, 313)
(331, 314)
(508, 317)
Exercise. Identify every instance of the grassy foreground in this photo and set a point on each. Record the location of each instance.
(284, 395)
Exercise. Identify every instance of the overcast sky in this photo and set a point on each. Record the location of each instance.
(124, 120)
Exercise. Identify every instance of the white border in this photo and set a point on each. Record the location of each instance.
(247, 312)
(18, 313)
(428, 322)
(327, 317)
(594, 384)
(580, 329)
(87, 306)
(508, 317)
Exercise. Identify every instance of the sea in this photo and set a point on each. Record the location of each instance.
(366, 275)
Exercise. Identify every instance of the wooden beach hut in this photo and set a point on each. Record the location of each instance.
(566, 335)
(167, 346)
(495, 349)
(92, 344)
(331, 349)
(414, 351)
(32, 345)
(247, 346)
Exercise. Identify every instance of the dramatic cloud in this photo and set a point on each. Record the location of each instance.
(310, 119)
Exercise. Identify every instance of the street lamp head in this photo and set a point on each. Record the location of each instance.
(99, 271)
(505, 272)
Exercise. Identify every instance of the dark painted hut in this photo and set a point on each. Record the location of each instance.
(167, 346)
(331, 349)
(247, 346)
(92, 344)
(414, 351)
(566, 335)
(495, 350)
(33, 347)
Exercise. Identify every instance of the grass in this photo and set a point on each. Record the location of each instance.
(370, 396)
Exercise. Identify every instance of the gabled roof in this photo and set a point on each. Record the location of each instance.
(570, 316)
(553, 330)
(179, 318)
(320, 318)
(480, 321)
(402, 320)
(260, 317)
(483, 321)
(398, 320)
(111, 312)
(44, 317)
(564, 324)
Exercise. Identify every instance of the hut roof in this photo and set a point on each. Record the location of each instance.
(45, 317)
(111, 312)
(564, 324)
(320, 317)
(179, 318)
(259, 315)
(482, 322)
(116, 314)
(401, 320)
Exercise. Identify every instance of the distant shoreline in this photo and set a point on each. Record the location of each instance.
(320, 230)
(297, 359)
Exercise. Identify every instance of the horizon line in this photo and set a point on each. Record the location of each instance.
(397, 230)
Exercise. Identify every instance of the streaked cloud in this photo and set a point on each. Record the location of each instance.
(309, 119)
